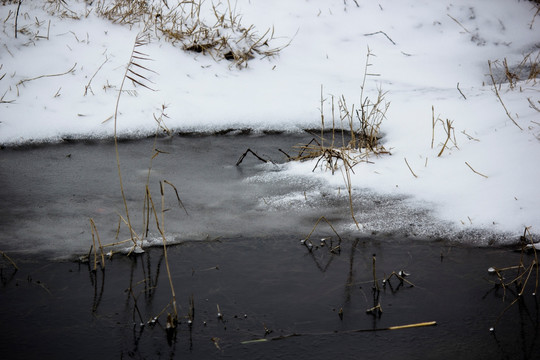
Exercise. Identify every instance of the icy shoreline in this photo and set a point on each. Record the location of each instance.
(431, 59)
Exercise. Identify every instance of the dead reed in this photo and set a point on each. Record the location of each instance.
(354, 134)
(137, 73)
(309, 244)
(448, 127)
(520, 274)
(527, 71)
(185, 23)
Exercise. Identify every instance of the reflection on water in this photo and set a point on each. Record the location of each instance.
(307, 304)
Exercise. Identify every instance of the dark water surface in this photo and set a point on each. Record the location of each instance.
(237, 252)
(267, 288)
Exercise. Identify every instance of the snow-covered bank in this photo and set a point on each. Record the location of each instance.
(60, 78)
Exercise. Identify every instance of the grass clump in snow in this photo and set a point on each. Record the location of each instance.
(354, 136)
(184, 23)
(527, 71)
(209, 28)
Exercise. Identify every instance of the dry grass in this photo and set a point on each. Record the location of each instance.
(449, 129)
(184, 24)
(519, 274)
(354, 134)
(210, 28)
(526, 72)
(137, 72)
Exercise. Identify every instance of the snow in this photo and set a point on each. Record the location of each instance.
(422, 50)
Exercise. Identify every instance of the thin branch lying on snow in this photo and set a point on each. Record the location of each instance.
(17, 17)
(532, 105)
(51, 75)
(457, 22)
(381, 32)
(461, 92)
(534, 17)
(499, 96)
(88, 87)
(412, 172)
(474, 171)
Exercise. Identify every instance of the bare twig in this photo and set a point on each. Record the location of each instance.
(474, 171)
(412, 172)
(499, 96)
(433, 125)
(448, 129)
(306, 239)
(177, 196)
(381, 32)
(461, 92)
(17, 17)
(51, 75)
(92, 78)
(254, 154)
(457, 22)
(532, 105)
(534, 17)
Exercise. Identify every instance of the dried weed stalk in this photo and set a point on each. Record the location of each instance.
(358, 130)
(519, 274)
(527, 71)
(448, 129)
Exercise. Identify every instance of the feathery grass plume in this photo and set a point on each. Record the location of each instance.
(134, 72)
